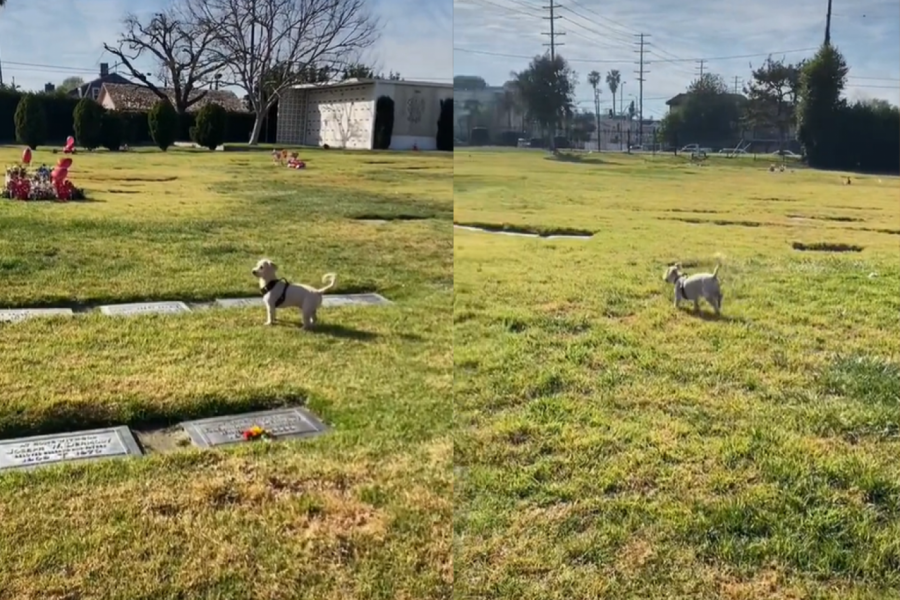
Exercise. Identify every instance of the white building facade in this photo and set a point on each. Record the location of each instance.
(342, 114)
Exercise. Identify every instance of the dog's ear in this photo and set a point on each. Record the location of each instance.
(678, 266)
(273, 265)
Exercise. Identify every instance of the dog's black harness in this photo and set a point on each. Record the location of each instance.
(271, 286)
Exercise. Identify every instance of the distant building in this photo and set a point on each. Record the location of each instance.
(91, 89)
(342, 114)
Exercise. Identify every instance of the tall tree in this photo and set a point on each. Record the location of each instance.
(506, 102)
(594, 78)
(613, 79)
(547, 88)
(469, 82)
(709, 114)
(180, 47)
(772, 97)
(473, 114)
(822, 80)
(256, 38)
(70, 83)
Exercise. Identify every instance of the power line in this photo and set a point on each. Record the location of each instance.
(640, 73)
(624, 60)
(553, 44)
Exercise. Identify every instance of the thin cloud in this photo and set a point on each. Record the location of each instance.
(603, 36)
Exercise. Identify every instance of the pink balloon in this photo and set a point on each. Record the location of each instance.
(70, 141)
(59, 174)
(26, 156)
(64, 163)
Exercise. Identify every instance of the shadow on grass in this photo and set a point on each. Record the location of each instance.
(524, 230)
(704, 315)
(584, 159)
(825, 247)
(135, 413)
(389, 216)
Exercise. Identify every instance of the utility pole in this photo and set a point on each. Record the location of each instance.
(621, 109)
(597, 114)
(553, 33)
(702, 62)
(640, 73)
(736, 80)
(828, 25)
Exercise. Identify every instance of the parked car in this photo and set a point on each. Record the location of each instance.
(786, 153)
(695, 148)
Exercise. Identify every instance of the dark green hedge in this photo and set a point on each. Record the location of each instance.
(60, 121)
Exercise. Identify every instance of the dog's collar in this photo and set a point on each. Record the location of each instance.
(271, 286)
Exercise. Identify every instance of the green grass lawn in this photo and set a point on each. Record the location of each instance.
(361, 512)
(611, 446)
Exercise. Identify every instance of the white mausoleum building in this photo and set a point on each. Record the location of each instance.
(342, 114)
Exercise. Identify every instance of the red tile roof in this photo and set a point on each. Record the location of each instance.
(139, 98)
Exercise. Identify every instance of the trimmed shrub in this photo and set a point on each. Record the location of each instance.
(510, 138)
(163, 122)
(87, 120)
(209, 128)
(31, 122)
(480, 137)
(112, 131)
(384, 123)
(444, 139)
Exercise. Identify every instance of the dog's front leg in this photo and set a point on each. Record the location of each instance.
(677, 297)
(270, 314)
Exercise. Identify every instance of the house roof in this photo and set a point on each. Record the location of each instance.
(81, 91)
(131, 97)
(361, 81)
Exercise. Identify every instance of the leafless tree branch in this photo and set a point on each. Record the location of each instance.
(267, 46)
(180, 47)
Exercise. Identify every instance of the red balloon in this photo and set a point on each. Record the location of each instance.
(64, 163)
(59, 174)
(70, 141)
(26, 156)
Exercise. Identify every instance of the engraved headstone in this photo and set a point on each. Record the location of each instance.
(329, 300)
(145, 308)
(240, 302)
(354, 299)
(20, 314)
(280, 423)
(83, 445)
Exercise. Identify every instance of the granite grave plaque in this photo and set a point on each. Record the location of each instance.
(329, 300)
(240, 302)
(145, 308)
(83, 445)
(281, 423)
(20, 314)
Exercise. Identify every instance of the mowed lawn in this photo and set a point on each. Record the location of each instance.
(362, 512)
(611, 446)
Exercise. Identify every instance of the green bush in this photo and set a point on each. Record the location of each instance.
(164, 123)
(444, 139)
(31, 122)
(112, 131)
(384, 123)
(209, 131)
(87, 121)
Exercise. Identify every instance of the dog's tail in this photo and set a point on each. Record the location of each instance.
(328, 279)
(716, 271)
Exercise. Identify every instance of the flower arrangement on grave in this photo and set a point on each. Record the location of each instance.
(257, 433)
(42, 183)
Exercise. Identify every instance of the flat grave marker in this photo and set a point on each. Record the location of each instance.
(145, 308)
(14, 315)
(280, 423)
(111, 442)
(329, 300)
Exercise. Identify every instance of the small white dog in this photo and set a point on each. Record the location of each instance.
(279, 292)
(701, 285)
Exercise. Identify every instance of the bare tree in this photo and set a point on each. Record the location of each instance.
(180, 47)
(267, 46)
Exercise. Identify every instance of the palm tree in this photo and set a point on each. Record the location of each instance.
(613, 78)
(473, 108)
(594, 79)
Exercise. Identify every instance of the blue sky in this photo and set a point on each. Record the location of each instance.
(600, 34)
(46, 41)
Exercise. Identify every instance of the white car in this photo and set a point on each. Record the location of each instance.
(786, 153)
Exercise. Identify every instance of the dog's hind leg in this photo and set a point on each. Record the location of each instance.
(309, 318)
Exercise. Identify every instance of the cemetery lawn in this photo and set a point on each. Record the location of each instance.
(611, 446)
(363, 511)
